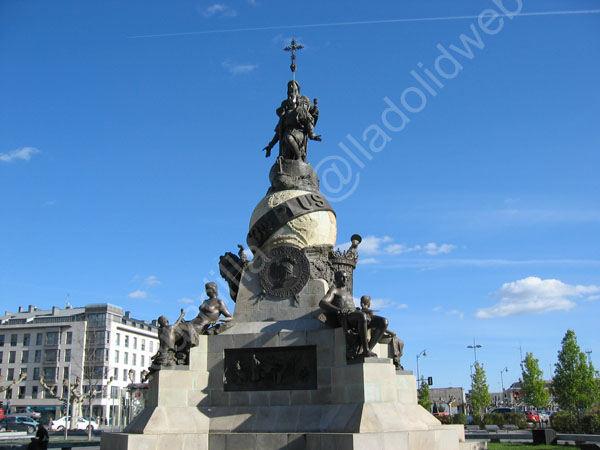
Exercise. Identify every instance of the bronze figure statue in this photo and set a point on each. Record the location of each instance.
(389, 337)
(338, 300)
(210, 311)
(176, 340)
(297, 120)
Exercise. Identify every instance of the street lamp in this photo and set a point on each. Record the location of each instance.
(421, 353)
(474, 347)
(131, 375)
(502, 381)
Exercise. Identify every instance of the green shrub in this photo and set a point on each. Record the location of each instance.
(459, 419)
(564, 422)
(591, 424)
(493, 419)
(516, 418)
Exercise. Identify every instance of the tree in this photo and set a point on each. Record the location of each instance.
(423, 394)
(532, 383)
(574, 386)
(480, 396)
(75, 397)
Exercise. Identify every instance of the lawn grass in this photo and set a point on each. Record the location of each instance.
(517, 445)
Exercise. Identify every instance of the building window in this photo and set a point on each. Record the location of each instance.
(21, 392)
(116, 374)
(125, 358)
(114, 392)
(24, 357)
(97, 373)
(133, 360)
(143, 344)
(68, 355)
(135, 343)
(38, 338)
(117, 356)
(13, 340)
(69, 339)
(151, 346)
(37, 356)
(26, 339)
(142, 360)
(124, 374)
(36, 373)
(8, 393)
(126, 341)
(1, 339)
(12, 356)
(34, 392)
(118, 339)
(50, 355)
(108, 337)
(10, 375)
(52, 338)
(1, 357)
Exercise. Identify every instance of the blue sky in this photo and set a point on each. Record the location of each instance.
(130, 158)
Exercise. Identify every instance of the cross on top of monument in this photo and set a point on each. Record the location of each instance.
(292, 48)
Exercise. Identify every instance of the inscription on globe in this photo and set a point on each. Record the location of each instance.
(285, 272)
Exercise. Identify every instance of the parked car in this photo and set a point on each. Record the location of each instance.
(25, 419)
(503, 411)
(12, 424)
(544, 417)
(532, 416)
(82, 424)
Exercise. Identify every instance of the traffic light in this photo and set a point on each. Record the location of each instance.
(430, 381)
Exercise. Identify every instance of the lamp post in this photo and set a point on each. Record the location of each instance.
(421, 353)
(131, 376)
(502, 381)
(475, 347)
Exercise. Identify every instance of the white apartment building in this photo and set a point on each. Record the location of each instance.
(94, 343)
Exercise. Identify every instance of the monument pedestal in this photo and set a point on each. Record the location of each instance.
(350, 406)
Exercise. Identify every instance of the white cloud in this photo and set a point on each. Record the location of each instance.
(185, 300)
(218, 9)
(22, 153)
(371, 244)
(456, 312)
(433, 249)
(532, 295)
(237, 69)
(592, 298)
(368, 261)
(138, 294)
(437, 309)
(402, 306)
(398, 249)
(374, 245)
(152, 280)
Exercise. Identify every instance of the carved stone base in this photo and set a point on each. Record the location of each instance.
(364, 405)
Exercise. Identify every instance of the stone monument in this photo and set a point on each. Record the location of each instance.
(298, 365)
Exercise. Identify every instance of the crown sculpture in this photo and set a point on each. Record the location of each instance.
(297, 364)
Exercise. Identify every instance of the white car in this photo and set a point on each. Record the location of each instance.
(82, 424)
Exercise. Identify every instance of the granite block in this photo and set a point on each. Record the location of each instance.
(301, 397)
(280, 398)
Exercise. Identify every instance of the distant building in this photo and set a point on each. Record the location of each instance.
(94, 342)
(455, 397)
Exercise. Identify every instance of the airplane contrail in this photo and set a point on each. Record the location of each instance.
(362, 22)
